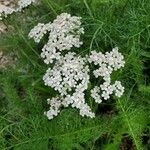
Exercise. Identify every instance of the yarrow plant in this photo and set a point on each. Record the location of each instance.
(70, 74)
(5, 11)
(64, 33)
(106, 63)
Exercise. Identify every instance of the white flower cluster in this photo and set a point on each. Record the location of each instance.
(24, 3)
(105, 90)
(64, 33)
(55, 104)
(38, 31)
(70, 78)
(106, 63)
(119, 89)
(5, 10)
(95, 94)
(70, 73)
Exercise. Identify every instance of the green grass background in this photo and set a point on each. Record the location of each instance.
(107, 23)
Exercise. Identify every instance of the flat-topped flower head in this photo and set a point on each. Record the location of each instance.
(115, 59)
(24, 3)
(64, 33)
(69, 75)
(5, 10)
(107, 62)
(95, 94)
(55, 104)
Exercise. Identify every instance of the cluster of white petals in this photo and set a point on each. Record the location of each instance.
(119, 89)
(70, 78)
(105, 90)
(5, 10)
(95, 94)
(64, 33)
(55, 104)
(114, 59)
(76, 100)
(24, 3)
(69, 74)
(39, 31)
(107, 63)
